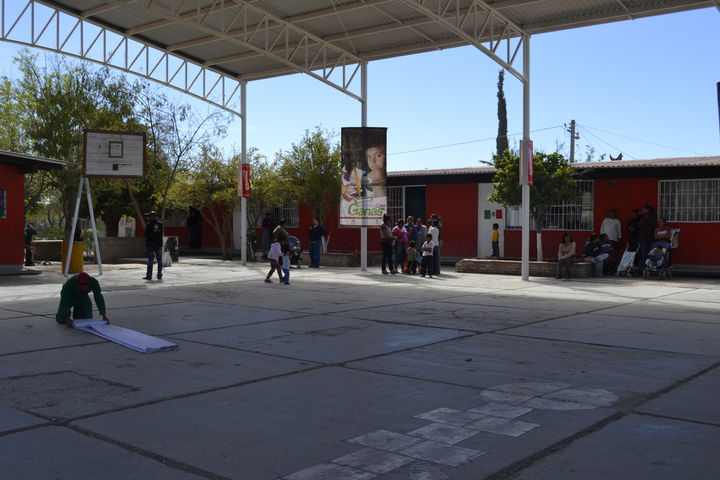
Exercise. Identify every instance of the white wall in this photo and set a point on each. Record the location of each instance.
(484, 246)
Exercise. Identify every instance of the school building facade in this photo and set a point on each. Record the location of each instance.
(685, 191)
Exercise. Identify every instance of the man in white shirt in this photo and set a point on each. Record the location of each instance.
(612, 227)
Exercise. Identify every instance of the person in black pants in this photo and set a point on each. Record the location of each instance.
(153, 245)
(386, 243)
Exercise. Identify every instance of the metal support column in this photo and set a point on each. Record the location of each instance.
(243, 199)
(98, 260)
(363, 103)
(525, 209)
(71, 242)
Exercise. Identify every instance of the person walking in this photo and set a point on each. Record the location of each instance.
(316, 233)
(29, 232)
(280, 234)
(153, 245)
(75, 302)
(274, 255)
(386, 244)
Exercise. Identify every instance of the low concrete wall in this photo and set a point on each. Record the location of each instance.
(514, 267)
(112, 248)
(342, 259)
(50, 250)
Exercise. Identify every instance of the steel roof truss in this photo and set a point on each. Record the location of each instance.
(452, 15)
(70, 35)
(270, 37)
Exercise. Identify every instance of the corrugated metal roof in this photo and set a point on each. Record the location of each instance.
(22, 159)
(256, 39)
(713, 161)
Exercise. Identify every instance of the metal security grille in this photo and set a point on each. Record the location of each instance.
(396, 203)
(575, 215)
(290, 212)
(692, 200)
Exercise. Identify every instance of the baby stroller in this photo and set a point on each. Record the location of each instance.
(295, 251)
(658, 261)
(627, 262)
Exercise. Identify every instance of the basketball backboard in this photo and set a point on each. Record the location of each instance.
(113, 154)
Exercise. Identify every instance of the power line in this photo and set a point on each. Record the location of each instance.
(588, 132)
(468, 141)
(644, 141)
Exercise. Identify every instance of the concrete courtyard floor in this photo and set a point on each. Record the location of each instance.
(350, 375)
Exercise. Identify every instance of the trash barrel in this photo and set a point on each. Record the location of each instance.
(76, 257)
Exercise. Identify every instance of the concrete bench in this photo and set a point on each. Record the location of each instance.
(579, 269)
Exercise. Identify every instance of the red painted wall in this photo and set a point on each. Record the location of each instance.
(11, 227)
(624, 195)
(457, 206)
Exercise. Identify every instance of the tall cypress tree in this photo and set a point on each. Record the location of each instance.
(502, 139)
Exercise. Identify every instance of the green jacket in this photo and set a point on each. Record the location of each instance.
(71, 296)
(29, 233)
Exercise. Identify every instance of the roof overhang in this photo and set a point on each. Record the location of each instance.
(30, 163)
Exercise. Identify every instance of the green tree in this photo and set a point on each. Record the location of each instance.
(56, 104)
(176, 137)
(553, 183)
(211, 187)
(311, 171)
(266, 187)
(501, 142)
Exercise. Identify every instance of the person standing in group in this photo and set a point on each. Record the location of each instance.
(633, 229)
(267, 229)
(29, 232)
(274, 255)
(153, 245)
(428, 265)
(401, 241)
(421, 231)
(495, 240)
(612, 227)
(411, 229)
(646, 229)
(75, 302)
(411, 258)
(566, 255)
(280, 234)
(285, 249)
(316, 233)
(435, 234)
(386, 244)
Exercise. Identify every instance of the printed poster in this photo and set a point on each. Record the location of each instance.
(364, 166)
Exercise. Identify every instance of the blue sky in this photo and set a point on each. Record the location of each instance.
(646, 88)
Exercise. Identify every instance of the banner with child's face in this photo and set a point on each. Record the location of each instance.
(364, 195)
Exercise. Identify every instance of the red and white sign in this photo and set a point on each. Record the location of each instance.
(244, 180)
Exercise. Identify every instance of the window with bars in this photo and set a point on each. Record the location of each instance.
(691, 200)
(573, 215)
(290, 211)
(396, 203)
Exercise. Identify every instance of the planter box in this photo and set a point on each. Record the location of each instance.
(514, 267)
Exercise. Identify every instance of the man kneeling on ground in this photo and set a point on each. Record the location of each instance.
(75, 295)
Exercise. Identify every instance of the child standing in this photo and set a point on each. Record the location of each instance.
(273, 255)
(412, 259)
(496, 240)
(286, 264)
(427, 256)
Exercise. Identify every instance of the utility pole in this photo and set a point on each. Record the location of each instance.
(573, 136)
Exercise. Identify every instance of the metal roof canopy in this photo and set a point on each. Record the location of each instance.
(211, 48)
